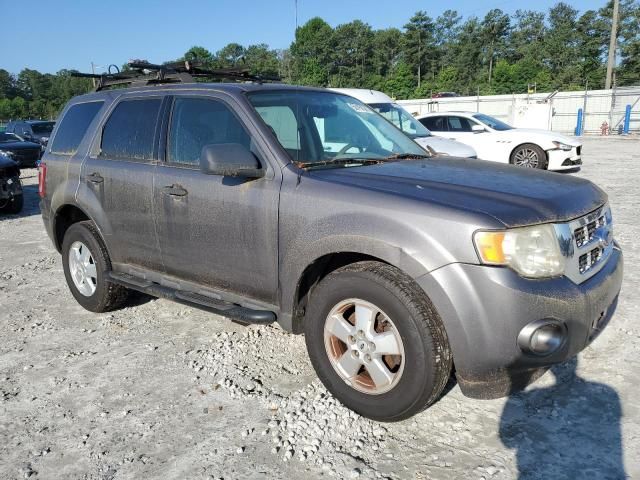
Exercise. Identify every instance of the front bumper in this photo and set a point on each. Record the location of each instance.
(484, 309)
(564, 159)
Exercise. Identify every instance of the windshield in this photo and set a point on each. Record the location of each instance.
(492, 122)
(326, 128)
(44, 128)
(9, 137)
(401, 119)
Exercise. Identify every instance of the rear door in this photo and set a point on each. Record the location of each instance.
(218, 231)
(119, 175)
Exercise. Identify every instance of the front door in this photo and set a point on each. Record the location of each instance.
(217, 231)
(120, 177)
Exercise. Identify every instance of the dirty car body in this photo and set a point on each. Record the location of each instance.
(260, 245)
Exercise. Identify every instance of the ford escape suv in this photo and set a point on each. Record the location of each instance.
(399, 268)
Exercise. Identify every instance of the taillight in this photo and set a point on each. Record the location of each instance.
(42, 178)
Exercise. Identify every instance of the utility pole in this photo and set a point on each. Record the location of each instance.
(612, 45)
(93, 71)
(296, 8)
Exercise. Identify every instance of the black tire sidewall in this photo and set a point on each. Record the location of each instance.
(418, 378)
(14, 205)
(84, 233)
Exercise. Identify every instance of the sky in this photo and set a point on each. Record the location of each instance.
(69, 34)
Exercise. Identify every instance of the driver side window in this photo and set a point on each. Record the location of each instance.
(459, 124)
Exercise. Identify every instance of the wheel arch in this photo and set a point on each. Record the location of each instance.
(65, 216)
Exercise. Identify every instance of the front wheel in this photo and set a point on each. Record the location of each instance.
(376, 341)
(529, 155)
(13, 205)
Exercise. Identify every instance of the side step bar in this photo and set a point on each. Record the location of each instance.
(235, 312)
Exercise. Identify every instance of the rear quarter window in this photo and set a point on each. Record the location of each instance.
(129, 133)
(73, 127)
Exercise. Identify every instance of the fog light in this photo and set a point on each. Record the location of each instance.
(542, 337)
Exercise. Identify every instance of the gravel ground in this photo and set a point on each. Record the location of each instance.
(158, 390)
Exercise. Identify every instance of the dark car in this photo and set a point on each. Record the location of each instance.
(304, 206)
(10, 186)
(37, 131)
(25, 154)
(445, 95)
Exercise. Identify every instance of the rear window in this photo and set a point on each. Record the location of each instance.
(129, 132)
(73, 127)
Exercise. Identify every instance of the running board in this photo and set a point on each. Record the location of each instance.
(230, 310)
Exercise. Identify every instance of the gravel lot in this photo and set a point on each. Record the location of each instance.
(159, 390)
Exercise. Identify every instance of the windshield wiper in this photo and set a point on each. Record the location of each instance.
(406, 156)
(340, 161)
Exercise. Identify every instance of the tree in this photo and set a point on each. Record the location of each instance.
(494, 30)
(420, 45)
(311, 53)
(561, 45)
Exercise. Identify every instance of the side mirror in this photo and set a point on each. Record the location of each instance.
(478, 129)
(229, 160)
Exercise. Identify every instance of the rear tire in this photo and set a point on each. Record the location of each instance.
(14, 205)
(529, 155)
(406, 332)
(85, 261)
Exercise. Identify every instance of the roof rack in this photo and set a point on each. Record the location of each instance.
(143, 73)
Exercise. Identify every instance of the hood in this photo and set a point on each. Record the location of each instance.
(544, 135)
(515, 196)
(444, 145)
(17, 145)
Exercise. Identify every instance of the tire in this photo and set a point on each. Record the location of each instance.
(415, 327)
(529, 155)
(95, 293)
(14, 205)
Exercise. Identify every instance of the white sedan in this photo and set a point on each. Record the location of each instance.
(494, 140)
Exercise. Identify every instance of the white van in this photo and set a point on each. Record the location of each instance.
(385, 106)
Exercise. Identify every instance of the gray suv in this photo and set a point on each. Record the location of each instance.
(275, 203)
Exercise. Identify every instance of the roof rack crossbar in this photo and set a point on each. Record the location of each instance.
(145, 73)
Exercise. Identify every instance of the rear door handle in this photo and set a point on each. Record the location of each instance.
(95, 178)
(174, 190)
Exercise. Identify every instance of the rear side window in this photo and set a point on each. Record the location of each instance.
(73, 127)
(196, 122)
(129, 132)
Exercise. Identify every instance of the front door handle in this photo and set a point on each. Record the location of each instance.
(174, 190)
(95, 178)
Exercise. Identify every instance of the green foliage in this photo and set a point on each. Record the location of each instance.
(498, 54)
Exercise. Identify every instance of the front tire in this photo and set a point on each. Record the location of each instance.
(529, 155)
(14, 205)
(376, 341)
(85, 262)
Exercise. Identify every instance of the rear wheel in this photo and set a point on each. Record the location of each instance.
(376, 342)
(529, 155)
(85, 262)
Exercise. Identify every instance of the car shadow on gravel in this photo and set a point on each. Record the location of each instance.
(569, 430)
(31, 204)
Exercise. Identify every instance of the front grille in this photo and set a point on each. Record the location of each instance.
(589, 259)
(579, 149)
(26, 157)
(587, 242)
(584, 234)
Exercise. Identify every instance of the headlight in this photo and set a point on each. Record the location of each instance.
(531, 251)
(562, 146)
(7, 153)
